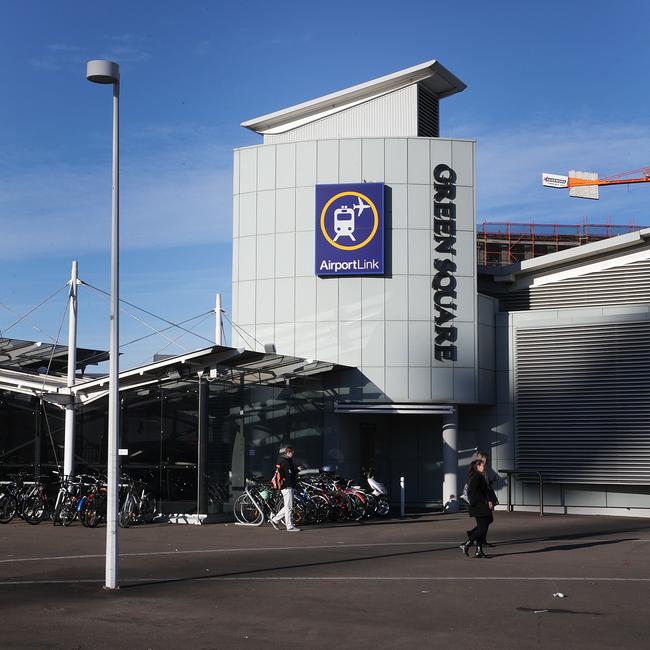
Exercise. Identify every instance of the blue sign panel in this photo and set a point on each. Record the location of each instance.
(350, 229)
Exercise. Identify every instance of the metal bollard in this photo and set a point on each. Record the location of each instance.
(402, 485)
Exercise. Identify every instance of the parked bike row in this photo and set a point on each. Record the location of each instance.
(81, 497)
(320, 497)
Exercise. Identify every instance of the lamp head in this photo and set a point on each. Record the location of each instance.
(101, 71)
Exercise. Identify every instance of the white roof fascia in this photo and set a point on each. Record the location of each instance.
(284, 120)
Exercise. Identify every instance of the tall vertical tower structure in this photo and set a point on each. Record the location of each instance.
(359, 169)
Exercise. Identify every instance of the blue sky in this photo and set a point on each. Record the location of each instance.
(550, 87)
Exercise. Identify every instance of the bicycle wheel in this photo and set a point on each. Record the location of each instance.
(147, 508)
(68, 511)
(8, 508)
(125, 516)
(246, 512)
(34, 509)
(88, 515)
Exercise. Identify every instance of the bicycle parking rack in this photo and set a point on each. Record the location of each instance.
(522, 476)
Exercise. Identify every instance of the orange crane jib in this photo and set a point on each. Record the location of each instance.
(615, 179)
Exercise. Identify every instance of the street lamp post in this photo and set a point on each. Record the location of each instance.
(107, 72)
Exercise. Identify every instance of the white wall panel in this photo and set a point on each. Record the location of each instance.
(372, 298)
(372, 160)
(350, 343)
(418, 161)
(350, 298)
(419, 206)
(419, 384)
(465, 345)
(305, 163)
(285, 254)
(420, 297)
(305, 254)
(235, 217)
(397, 343)
(246, 255)
(327, 299)
(419, 252)
(396, 161)
(397, 202)
(284, 338)
(305, 334)
(350, 161)
(285, 210)
(464, 385)
(264, 333)
(397, 383)
(246, 302)
(462, 158)
(266, 212)
(266, 168)
(419, 336)
(248, 170)
(396, 293)
(328, 162)
(465, 218)
(305, 208)
(377, 378)
(466, 300)
(265, 302)
(440, 154)
(327, 341)
(235, 173)
(442, 384)
(305, 299)
(399, 252)
(265, 257)
(247, 214)
(285, 300)
(285, 175)
(372, 343)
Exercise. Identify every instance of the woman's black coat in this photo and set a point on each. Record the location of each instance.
(478, 493)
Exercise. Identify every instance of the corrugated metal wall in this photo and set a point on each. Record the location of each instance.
(621, 285)
(582, 397)
(389, 116)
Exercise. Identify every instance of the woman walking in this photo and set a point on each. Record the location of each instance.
(480, 507)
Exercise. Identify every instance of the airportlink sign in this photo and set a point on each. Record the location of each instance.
(350, 229)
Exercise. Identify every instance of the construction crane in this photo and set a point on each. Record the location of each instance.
(584, 185)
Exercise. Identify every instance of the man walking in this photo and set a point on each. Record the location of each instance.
(286, 473)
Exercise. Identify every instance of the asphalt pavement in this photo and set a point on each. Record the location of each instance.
(552, 582)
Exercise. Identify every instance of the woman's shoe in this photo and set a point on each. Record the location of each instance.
(479, 552)
(465, 547)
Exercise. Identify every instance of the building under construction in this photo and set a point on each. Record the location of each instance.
(504, 243)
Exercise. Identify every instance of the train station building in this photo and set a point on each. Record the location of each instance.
(366, 334)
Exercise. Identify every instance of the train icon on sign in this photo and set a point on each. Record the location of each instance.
(345, 219)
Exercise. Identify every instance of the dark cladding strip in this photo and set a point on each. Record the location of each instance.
(444, 281)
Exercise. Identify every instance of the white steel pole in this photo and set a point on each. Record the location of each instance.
(217, 323)
(113, 458)
(68, 450)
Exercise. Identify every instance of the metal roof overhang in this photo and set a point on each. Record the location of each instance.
(31, 355)
(217, 363)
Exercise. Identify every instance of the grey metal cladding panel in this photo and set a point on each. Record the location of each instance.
(306, 340)
(266, 212)
(486, 387)
(442, 384)
(396, 343)
(465, 346)
(372, 160)
(465, 213)
(285, 300)
(397, 206)
(350, 299)
(266, 168)
(305, 299)
(247, 214)
(440, 152)
(247, 170)
(372, 343)
(350, 343)
(419, 344)
(327, 341)
(265, 256)
(464, 257)
(285, 254)
(486, 347)
(235, 173)
(399, 252)
(419, 169)
(246, 254)
(265, 301)
(372, 299)
(305, 254)
(327, 161)
(246, 302)
(235, 217)
(285, 342)
(419, 252)
(419, 384)
(462, 162)
(350, 161)
(327, 299)
(285, 210)
(465, 380)
(419, 206)
(419, 297)
(466, 299)
(583, 402)
(396, 297)
(396, 160)
(286, 165)
(306, 208)
(397, 383)
(305, 164)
